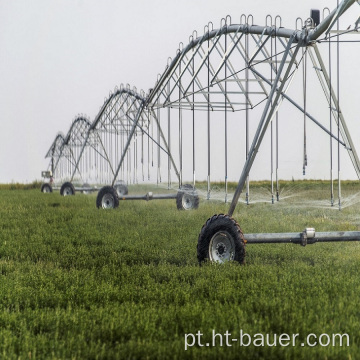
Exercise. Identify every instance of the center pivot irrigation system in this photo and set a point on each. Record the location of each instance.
(100, 151)
(236, 69)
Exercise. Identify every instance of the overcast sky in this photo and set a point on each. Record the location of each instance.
(60, 58)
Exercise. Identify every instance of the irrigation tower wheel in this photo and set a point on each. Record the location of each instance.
(107, 198)
(187, 198)
(221, 240)
(67, 189)
(46, 188)
(121, 188)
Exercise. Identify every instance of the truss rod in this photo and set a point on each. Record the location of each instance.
(128, 140)
(166, 146)
(339, 118)
(264, 122)
(302, 110)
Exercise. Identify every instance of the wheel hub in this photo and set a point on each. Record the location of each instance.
(187, 202)
(107, 201)
(222, 247)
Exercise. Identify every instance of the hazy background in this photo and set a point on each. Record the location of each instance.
(60, 58)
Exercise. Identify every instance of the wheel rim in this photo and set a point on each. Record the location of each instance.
(67, 191)
(222, 247)
(108, 202)
(187, 201)
(46, 189)
(120, 190)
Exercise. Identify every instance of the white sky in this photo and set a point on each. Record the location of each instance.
(60, 58)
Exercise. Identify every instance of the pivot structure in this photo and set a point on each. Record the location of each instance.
(218, 99)
(100, 152)
(106, 150)
(97, 151)
(221, 238)
(64, 154)
(220, 94)
(223, 92)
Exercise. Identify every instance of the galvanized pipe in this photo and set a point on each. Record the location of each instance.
(298, 238)
(148, 196)
(329, 21)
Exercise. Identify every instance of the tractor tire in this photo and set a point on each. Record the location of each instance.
(107, 198)
(221, 240)
(67, 189)
(46, 188)
(121, 189)
(187, 198)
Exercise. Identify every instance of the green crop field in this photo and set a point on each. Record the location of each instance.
(81, 283)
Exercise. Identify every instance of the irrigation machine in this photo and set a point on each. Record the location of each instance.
(240, 71)
(100, 151)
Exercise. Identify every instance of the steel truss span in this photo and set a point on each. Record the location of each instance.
(92, 151)
(220, 77)
(64, 149)
(228, 80)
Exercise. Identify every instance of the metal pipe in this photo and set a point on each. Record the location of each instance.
(247, 114)
(271, 133)
(180, 134)
(149, 196)
(226, 127)
(169, 144)
(193, 128)
(329, 21)
(158, 149)
(338, 107)
(331, 145)
(298, 238)
(208, 126)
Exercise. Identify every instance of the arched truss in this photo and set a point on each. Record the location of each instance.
(229, 71)
(64, 151)
(56, 147)
(55, 152)
(225, 69)
(115, 138)
(243, 67)
(234, 67)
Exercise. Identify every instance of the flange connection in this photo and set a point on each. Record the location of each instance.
(308, 233)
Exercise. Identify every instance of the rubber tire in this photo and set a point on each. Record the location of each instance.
(187, 189)
(66, 185)
(214, 225)
(104, 191)
(121, 189)
(46, 186)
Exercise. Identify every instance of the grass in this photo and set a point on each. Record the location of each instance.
(81, 283)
